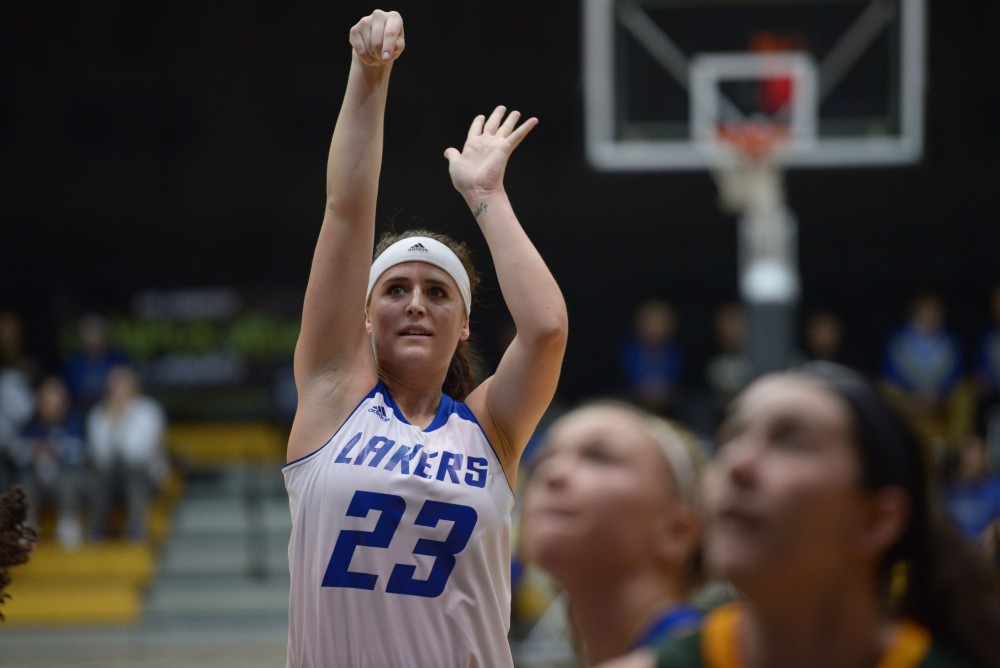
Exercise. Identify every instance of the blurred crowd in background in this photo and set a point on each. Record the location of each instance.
(83, 439)
(949, 388)
(89, 443)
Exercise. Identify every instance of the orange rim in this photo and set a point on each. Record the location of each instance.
(752, 139)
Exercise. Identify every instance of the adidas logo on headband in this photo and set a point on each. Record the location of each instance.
(432, 252)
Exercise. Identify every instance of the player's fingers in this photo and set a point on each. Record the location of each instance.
(365, 31)
(451, 154)
(400, 45)
(509, 123)
(377, 35)
(518, 135)
(392, 36)
(476, 128)
(360, 48)
(493, 122)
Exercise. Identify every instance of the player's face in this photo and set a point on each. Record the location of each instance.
(416, 314)
(782, 496)
(597, 497)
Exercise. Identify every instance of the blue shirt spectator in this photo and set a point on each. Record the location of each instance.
(973, 494)
(922, 357)
(87, 366)
(651, 357)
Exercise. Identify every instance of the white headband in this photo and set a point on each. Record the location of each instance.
(422, 249)
(679, 457)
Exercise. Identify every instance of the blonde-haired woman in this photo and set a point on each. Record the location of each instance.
(610, 513)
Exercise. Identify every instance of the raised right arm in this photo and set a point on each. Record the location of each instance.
(333, 353)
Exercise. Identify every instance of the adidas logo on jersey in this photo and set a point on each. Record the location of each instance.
(379, 412)
(418, 247)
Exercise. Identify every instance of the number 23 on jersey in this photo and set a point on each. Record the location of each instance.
(401, 580)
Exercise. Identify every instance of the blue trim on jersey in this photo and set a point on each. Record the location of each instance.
(671, 621)
(463, 411)
(337, 430)
(447, 407)
(391, 403)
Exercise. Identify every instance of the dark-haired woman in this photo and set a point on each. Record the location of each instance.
(819, 511)
(400, 467)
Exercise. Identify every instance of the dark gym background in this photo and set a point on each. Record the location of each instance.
(182, 143)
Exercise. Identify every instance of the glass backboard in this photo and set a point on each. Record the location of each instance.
(664, 78)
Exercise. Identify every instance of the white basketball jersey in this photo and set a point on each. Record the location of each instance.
(400, 545)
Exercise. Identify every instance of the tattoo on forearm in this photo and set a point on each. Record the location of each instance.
(480, 209)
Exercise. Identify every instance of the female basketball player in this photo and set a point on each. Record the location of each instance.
(819, 510)
(400, 493)
(609, 512)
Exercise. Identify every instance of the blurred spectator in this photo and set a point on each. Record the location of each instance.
(17, 401)
(729, 369)
(88, 364)
(972, 491)
(49, 457)
(125, 433)
(17, 404)
(922, 372)
(12, 353)
(988, 376)
(651, 358)
(823, 337)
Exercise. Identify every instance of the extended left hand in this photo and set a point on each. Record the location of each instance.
(479, 167)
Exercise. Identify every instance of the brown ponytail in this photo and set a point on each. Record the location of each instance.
(464, 372)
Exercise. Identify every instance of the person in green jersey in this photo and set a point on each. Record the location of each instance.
(820, 511)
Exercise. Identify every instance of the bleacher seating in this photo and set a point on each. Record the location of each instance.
(104, 582)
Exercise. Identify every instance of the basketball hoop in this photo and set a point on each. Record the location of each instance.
(748, 166)
(753, 140)
(749, 171)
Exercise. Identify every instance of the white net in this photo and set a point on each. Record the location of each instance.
(750, 179)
